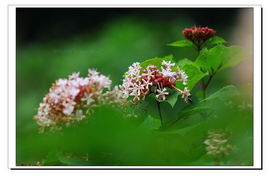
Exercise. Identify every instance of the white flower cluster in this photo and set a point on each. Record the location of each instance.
(140, 82)
(217, 143)
(71, 99)
(243, 105)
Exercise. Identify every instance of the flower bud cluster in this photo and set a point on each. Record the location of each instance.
(198, 34)
(140, 82)
(217, 143)
(72, 98)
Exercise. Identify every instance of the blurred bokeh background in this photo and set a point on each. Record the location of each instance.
(52, 43)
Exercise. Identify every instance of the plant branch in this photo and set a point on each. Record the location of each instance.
(203, 89)
(205, 85)
(209, 80)
(160, 113)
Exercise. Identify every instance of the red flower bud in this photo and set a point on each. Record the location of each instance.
(198, 34)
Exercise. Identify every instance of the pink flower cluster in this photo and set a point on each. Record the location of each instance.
(198, 34)
(140, 82)
(71, 99)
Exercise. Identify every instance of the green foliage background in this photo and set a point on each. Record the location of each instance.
(107, 138)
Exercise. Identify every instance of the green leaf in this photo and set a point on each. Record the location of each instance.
(205, 160)
(181, 43)
(189, 116)
(52, 158)
(184, 61)
(167, 112)
(151, 123)
(192, 111)
(149, 106)
(219, 57)
(234, 55)
(223, 94)
(211, 60)
(156, 61)
(214, 41)
(72, 161)
(57, 158)
(172, 99)
(194, 75)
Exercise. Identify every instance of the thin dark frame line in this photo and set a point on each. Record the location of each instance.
(8, 87)
(253, 69)
(136, 169)
(261, 88)
(146, 5)
(123, 6)
(138, 7)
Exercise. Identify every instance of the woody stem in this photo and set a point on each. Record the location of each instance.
(175, 88)
(203, 89)
(205, 85)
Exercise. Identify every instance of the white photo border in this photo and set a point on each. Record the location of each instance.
(257, 93)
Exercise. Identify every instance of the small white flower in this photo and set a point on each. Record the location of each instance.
(79, 115)
(134, 71)
(244, 105)
(88, 98)
(58, 90)
(135, 91)
(136, 96)
(167, 72)
(92, 72)
(54, 97)
(161, 94)
(148, 74)
(83, 81)
(217, 143)
(168, 64)
(183, 76)
(146, 83)
(103, 81)
(74, 76)
(43, 109)
(61, 82)
(73, 91)
(75, 82)
(68, 108)
(185, 94)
